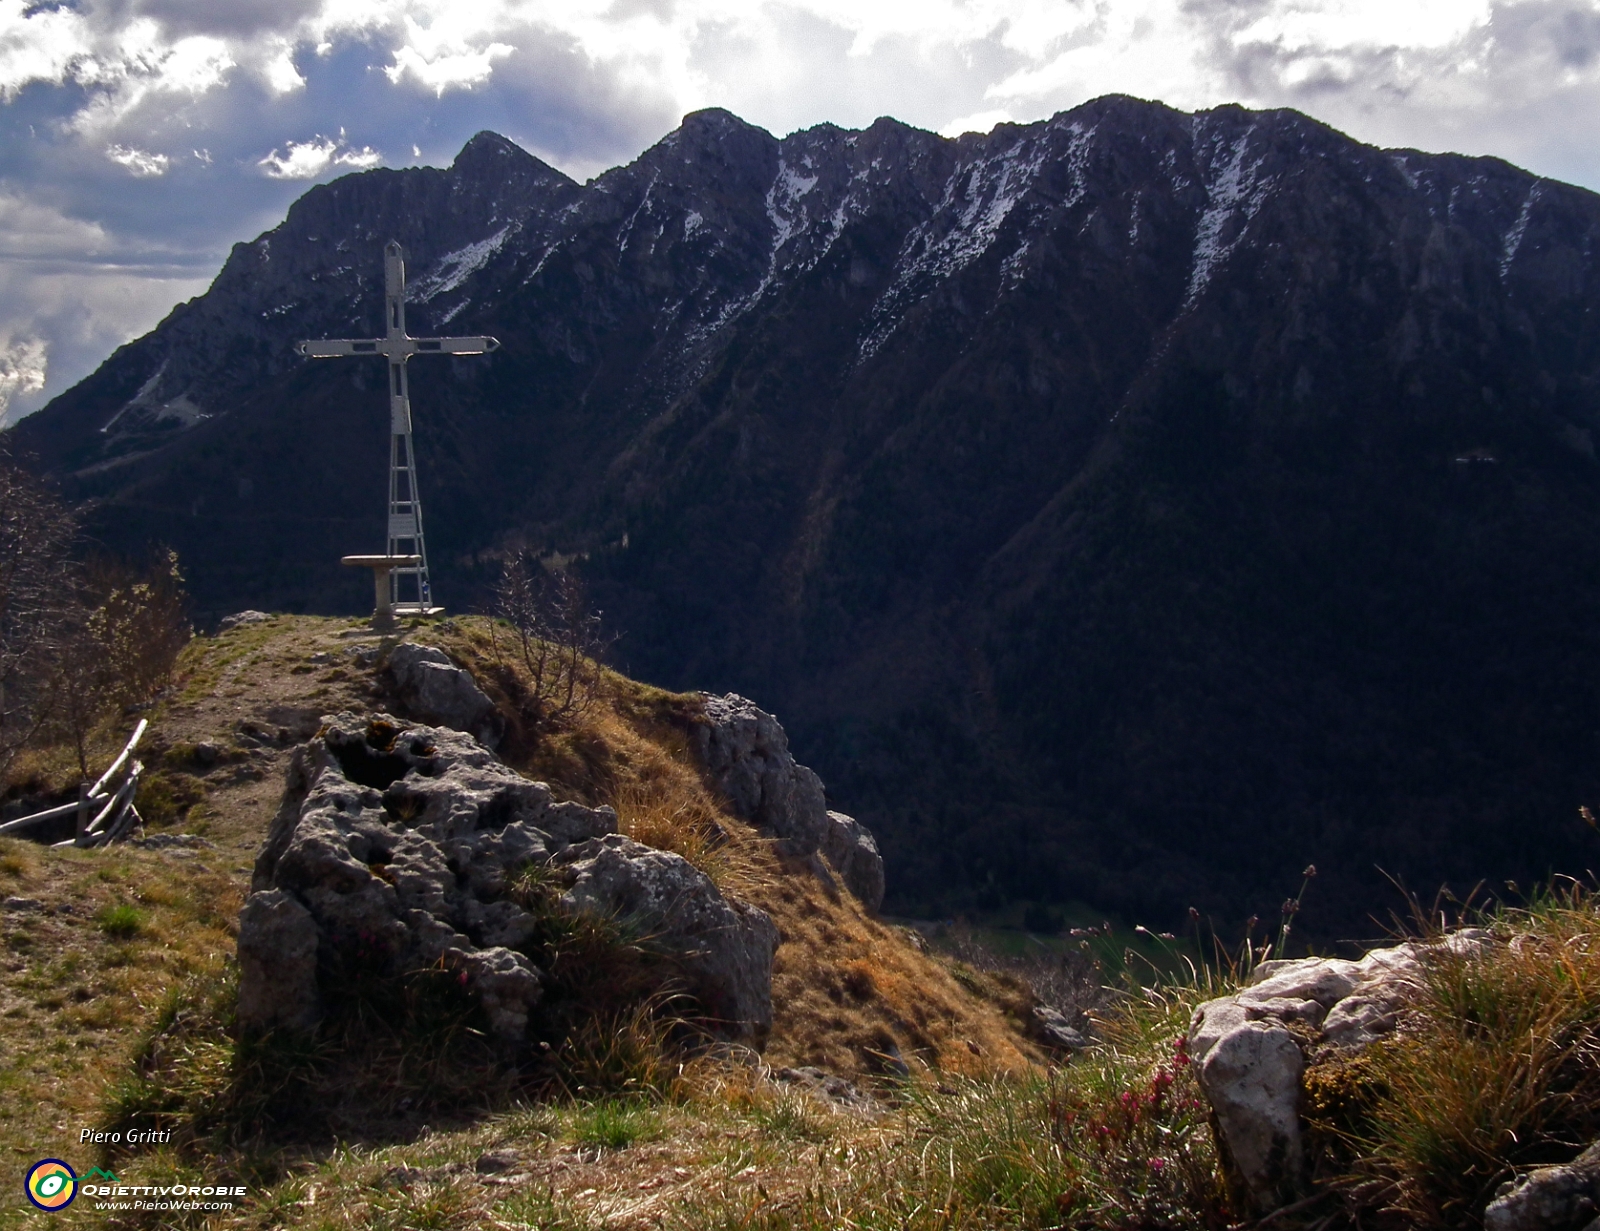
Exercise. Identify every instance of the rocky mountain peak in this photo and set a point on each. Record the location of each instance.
(520, 182)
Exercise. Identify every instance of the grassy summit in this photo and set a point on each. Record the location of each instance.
(117, 979)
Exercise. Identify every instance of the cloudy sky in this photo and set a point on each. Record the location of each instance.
(140, 138)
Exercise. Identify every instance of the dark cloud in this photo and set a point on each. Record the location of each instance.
(219, 18)
(1564, 32)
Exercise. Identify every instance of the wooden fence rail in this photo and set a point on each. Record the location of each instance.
(109, 800)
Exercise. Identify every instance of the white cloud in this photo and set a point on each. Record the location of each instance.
(23, 364)
(449, 70)
(138, 161)
(977, 122)
(78, 315)
(1298, 25)
(786, 63)
(305, 160)
(143, 68)
(70, 293)
(45, 45)
(32, 231)
(282, 76)
(442, 55)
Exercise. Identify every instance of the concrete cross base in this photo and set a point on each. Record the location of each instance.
(383, 613)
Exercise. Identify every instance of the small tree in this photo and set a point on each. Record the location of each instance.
(559, 640)
(141, 624)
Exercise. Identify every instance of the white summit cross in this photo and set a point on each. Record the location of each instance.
(406, 557)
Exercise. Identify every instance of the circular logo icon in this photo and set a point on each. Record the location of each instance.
(52, 1184)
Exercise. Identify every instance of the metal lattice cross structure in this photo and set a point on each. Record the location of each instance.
(405, 505)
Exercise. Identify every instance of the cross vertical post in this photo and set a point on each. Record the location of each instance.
(410, 592)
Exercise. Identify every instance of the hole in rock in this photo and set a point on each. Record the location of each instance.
(498, 812)
(367, 766)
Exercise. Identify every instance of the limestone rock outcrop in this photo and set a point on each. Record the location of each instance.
(1250, 1049)
(436, 690)
(746, 753)
(1053, 1028)
(240, 619)
(853, 852)
(1564, 1198)
(277, 961)
(398, 845)
(725, 947)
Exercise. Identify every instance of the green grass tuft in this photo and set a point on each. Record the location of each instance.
(122, 922)
(613, 1123)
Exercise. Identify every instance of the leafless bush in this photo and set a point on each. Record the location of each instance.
(141, 624)
(557, 638)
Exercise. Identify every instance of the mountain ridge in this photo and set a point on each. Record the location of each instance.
(1084, 495)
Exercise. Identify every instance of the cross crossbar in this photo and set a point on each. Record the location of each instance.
(335, 348)
(405, 505)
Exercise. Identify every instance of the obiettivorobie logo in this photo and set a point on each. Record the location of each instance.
(52, 1184)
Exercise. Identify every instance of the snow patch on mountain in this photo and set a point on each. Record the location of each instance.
(1519, 228)
(1234, 195)
(789, 187)
(147, 405)
(643, 208)
(978, 198)
(454, 268)
(788, 217)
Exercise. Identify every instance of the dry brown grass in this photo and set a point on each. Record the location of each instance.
(76, 1000)
(848, 990)
(1496, 1068)
(76, 988)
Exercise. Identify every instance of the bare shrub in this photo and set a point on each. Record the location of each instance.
(557, 638)
(142, 625)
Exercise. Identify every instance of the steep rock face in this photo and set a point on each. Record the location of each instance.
(746, 754)
(853, 852)
(1096, 499)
